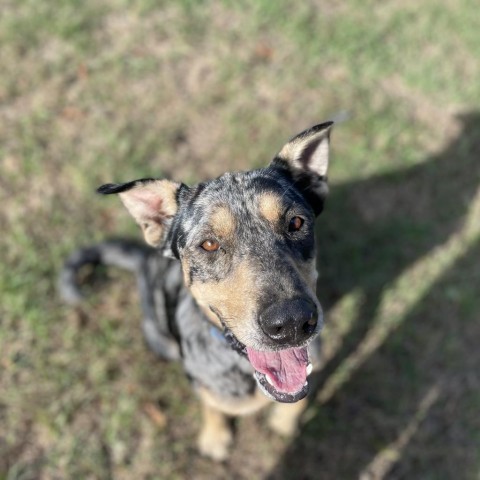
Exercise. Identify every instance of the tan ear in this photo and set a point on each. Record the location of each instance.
(308, 152)
(152, 203)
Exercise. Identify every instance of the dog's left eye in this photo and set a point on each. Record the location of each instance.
(210, 245)
(295, 224)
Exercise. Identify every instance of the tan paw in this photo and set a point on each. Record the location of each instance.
(215, 443)
(283, 425)
(285, 417)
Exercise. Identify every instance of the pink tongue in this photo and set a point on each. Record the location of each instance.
(287, 369)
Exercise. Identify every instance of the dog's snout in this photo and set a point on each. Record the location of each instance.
(290, 322)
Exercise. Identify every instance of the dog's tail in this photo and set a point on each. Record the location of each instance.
(126, 254)
(158, 324)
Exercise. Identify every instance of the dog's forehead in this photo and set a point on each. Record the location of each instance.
(235, 204)
(241, 192)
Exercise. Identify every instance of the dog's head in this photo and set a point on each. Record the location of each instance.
(246, 245)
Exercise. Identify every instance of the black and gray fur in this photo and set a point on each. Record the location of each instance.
(278, 260)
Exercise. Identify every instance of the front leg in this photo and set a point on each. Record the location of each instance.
(216, 434)
(284, 417)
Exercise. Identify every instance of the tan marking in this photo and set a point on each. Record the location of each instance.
(211, 316)
(216, 434)
(270, 206)
(169, 191)
(186, 270)
(234, 297)
(234, 406)
(223, 222)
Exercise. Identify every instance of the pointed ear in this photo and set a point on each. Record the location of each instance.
(308, 151)
(152, 203)
(306, 157)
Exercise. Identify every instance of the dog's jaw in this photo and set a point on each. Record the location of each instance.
(271, 392)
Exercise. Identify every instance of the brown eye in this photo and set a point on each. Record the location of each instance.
(295, 224)
(210, 245)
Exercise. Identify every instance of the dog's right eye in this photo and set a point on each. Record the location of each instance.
(210, 245)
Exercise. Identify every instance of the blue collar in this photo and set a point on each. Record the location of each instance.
(217, 333)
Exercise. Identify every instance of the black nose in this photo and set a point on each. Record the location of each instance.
(289, 322)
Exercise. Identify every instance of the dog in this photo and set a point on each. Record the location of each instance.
(228, 282)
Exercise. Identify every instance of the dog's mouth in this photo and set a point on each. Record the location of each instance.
(281, 375)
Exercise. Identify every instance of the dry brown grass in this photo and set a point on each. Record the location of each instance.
(106, 91)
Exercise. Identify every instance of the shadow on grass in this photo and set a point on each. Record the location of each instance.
(407, 406)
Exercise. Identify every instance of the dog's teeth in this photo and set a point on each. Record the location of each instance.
(269, 380)
(309, 368)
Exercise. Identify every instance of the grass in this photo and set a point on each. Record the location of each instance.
(92, 92)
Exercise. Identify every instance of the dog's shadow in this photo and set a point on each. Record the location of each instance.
(398, 401)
